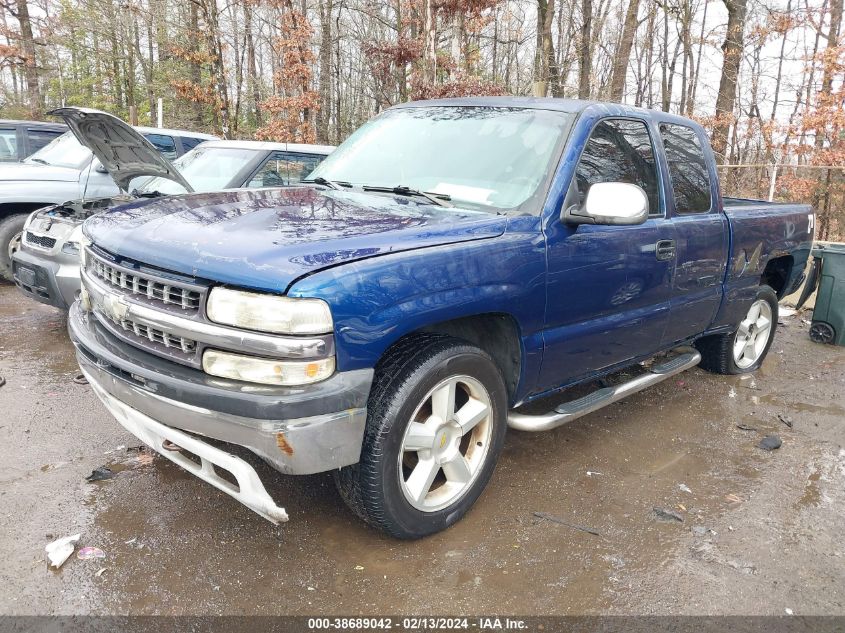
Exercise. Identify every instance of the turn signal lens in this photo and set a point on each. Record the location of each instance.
(266, 371)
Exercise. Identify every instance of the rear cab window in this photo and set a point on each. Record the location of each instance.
(164, 144)
(39, 137)
(620, 150)
(688, 172)
(189, 142)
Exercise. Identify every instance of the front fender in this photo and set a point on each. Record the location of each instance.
(376, 301)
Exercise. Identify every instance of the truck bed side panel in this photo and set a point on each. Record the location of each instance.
(761, 231)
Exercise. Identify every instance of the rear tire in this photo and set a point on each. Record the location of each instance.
(436, 423)
(743, 350)
(11, 231)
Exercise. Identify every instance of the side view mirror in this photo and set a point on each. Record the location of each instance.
(614, 203)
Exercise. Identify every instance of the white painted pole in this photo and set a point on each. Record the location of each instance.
(160, 112)
(772, 182)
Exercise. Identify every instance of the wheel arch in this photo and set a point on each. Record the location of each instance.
(496, 333)
(8, 209)
(777, 273)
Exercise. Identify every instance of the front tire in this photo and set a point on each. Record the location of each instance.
(436, 423)
(11, 231)
(743, 350)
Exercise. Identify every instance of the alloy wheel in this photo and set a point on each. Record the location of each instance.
(753, 334)
(446, 443)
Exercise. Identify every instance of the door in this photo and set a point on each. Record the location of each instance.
(701, 235)
(608, 286)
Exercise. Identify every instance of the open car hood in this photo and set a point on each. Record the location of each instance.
(123, 152)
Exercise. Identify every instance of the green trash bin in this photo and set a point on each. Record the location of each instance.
(828, 324)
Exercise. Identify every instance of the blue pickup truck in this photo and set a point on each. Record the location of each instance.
(452, 262)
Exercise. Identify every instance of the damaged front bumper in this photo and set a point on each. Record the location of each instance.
(47, 278)
(301, 430)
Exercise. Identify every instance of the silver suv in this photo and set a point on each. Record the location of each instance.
(46, 267)
(66, 170)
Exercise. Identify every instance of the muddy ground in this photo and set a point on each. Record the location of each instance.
(761, 532)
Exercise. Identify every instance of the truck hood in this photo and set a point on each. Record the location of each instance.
(268, 238)
(122, 151)
(23, 172)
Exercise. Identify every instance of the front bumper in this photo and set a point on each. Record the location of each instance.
(43, 279)
(298, 430)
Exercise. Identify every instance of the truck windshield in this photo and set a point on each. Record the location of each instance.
(63, 151)
(205, 169)
(484, 157)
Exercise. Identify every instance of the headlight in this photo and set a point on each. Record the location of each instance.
(266, 371)
(269, 313)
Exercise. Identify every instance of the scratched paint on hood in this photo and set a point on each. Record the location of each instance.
(267, 238)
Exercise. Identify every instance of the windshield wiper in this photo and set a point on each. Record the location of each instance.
(331, 184)
(39, 160)
(440, 199)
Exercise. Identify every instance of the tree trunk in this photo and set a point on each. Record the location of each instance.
(218, 71)
(251, 67)
(429, 56)
(30, 64)
(545, 64)
(325, 83)
(585, 58)
(697, 69)
(829, 66)
(194, 68)
(623, 54)
(726, 97)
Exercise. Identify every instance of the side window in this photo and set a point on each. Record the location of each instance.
(687, 168)
(41, 138)
(189, 142)
(283, 169)
(8, 144)
(620, 150)
(164, 144)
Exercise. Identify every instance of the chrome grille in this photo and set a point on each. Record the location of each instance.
(140, 285)
(40, 240)
(145, 333)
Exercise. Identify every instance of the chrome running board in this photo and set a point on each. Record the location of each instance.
(574, 409)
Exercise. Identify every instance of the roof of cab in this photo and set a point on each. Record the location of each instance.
(46, 124)
(575, 106)
(163, 130)
(269, 146)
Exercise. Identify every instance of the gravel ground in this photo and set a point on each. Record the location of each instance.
(761, 532)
